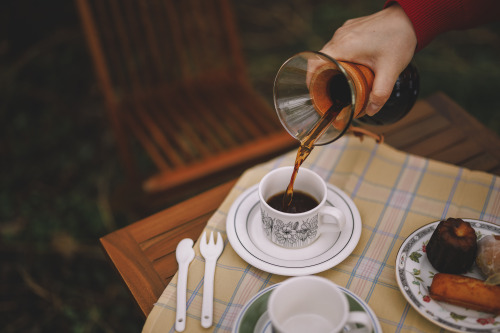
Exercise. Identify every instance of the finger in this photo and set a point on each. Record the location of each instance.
(383, 84)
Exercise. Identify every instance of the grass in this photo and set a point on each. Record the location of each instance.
(58, 160)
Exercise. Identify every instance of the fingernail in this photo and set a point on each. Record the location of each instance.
(372, 108)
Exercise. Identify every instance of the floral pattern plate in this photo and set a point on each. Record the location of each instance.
(253, 318)
(245, 232)
(414, 275)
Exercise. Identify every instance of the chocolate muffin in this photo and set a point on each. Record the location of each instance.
(452, 247)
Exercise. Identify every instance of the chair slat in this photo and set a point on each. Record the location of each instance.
(117, 17)
(435, 143)
(457, 154)
(205, 116)
(483, 160)
(171, 117)
(427, 127)
(148, 145)
(174, 47)
(264, 119)
(147, 11)
(233, 123)
(160, 136)
(238, 109)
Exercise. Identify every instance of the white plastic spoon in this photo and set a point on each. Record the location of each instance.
(184, 255)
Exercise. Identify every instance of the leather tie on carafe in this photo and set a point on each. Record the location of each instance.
(362, 79)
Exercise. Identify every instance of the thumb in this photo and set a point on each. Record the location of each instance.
(383, 84)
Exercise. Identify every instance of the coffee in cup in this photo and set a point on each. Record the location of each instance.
(301, 202)
(312, 215)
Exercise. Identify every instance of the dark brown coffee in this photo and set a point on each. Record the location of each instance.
(301, 202)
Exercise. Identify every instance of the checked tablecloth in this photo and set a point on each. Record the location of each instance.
(395, 193)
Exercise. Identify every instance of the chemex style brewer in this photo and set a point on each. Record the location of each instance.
(312, 84)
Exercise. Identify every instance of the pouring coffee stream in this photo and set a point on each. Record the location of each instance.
(340, 95)
(317, 99)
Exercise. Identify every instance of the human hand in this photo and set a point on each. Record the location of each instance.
(384, 41)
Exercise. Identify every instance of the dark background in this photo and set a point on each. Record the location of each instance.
(58, 163)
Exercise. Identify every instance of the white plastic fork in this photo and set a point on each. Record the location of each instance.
(211, 252)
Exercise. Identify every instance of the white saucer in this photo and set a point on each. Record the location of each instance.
(253, 318)
(245, 233)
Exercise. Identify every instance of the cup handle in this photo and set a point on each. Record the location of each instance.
(359, 317)
(331, 219)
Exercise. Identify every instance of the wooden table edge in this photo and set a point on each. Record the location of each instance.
(126, 255)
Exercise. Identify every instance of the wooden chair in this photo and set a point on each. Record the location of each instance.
(174, 82)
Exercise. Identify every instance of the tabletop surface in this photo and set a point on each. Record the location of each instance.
(144, 252)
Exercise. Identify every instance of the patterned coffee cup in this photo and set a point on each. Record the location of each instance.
(297, 230)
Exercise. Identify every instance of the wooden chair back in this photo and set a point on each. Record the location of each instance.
(174, 81)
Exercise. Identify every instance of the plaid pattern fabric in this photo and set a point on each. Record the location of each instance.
(395, 193)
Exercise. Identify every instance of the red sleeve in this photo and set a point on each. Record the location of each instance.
(433, 17)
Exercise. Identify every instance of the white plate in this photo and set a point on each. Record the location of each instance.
(414, 276)
(246, 235)
(254, 318)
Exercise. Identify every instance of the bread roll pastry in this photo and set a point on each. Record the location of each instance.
(488, 258)
(465, 291)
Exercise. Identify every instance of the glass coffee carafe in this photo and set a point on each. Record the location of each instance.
(311, 87)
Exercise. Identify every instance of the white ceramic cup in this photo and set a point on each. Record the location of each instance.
(297, 230)
(312, 304)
